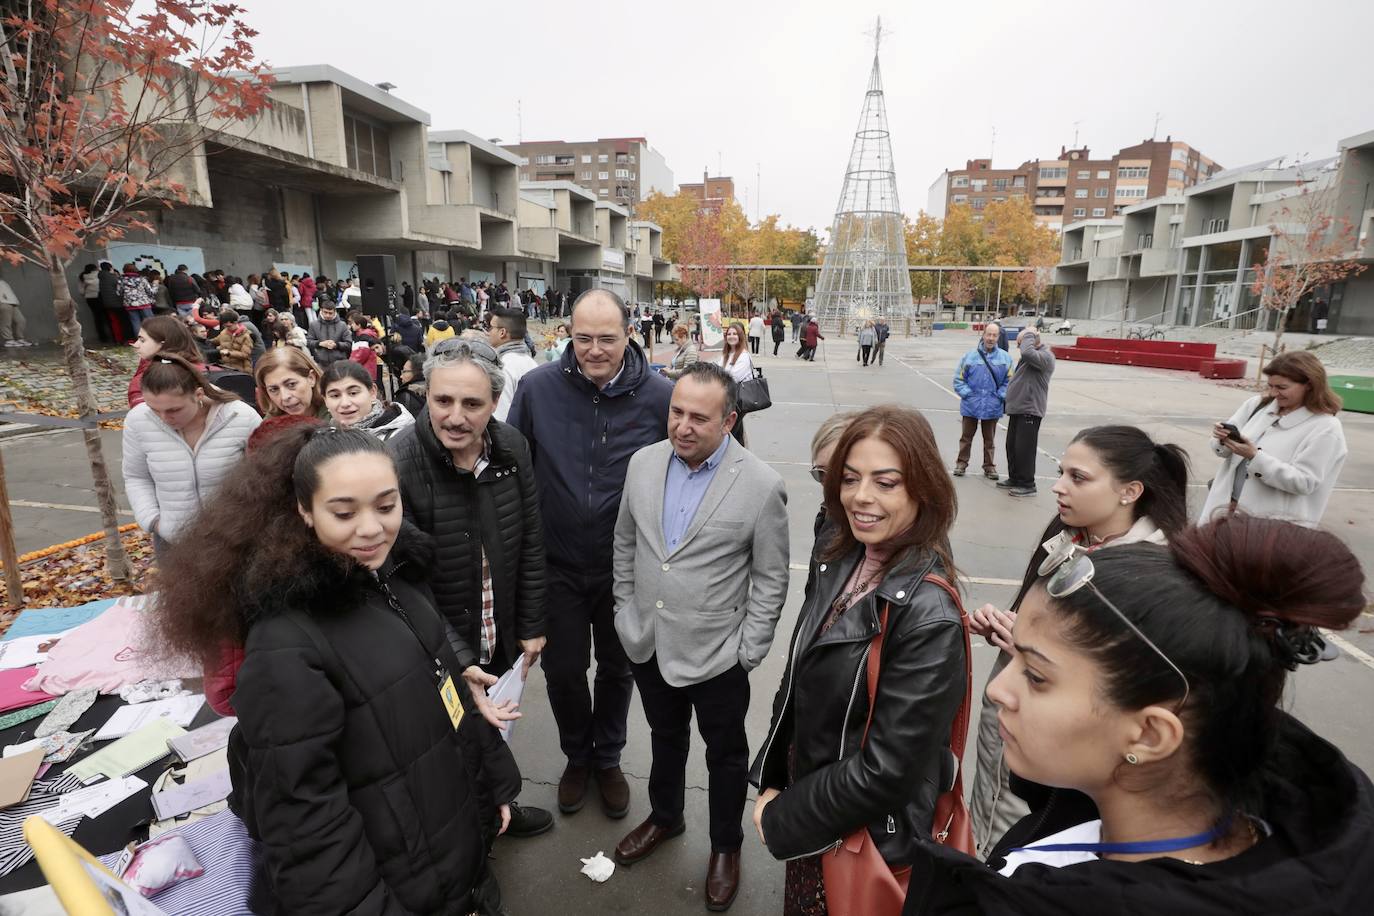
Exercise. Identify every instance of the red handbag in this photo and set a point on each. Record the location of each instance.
(858, 882)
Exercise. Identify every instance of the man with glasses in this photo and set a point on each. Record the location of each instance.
(466, 480)
(584, 416)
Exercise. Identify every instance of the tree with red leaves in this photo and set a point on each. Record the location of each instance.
(1309, 249)
(104, 109)
(705, 249)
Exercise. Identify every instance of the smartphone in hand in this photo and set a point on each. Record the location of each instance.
(1231, 432)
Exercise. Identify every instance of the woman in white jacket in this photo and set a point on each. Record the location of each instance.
(1290, 448)
(179, 444)
(737, 361)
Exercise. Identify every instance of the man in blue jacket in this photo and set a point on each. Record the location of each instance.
(981, 383)
(583, 417)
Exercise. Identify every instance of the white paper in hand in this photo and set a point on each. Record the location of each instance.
(598, 867)
(511, 686)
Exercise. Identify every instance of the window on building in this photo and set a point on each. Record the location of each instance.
(961, 198)
(1104, 174)
(1079, 211)
(1080, 193)
(1100, 192)
(999, 200)
(586, 158)
(999, 184)
(622, 173)
(1177, 175)
(1019, 181)
(603, 157)
(979, 203)
(1130, 192)
(586, 176)
(1053, 172)
(1084, 174)
(1016, 196)
(1179, 155)
(1133, 171)
(1144, 240)
(604, 176)
(960, 181)
(1099, 211)
(604, 192)
(979, 184)
(367, 146)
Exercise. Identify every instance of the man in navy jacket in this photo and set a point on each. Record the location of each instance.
(584, 416)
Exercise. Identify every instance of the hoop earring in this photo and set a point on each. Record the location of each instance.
(1132, 759)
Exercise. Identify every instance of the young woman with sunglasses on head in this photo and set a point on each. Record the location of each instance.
(1142, 707)
(1116, 486)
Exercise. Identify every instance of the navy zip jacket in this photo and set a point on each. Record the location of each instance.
(581, 440)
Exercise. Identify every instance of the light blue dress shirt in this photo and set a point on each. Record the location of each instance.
(683, 491)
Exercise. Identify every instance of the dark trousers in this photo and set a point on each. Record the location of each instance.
(971, 426)
(867, 351)
(753, 345)
(1023, 434)
(879, 349)
(777, 342)
(591, 723)
(103, 326)
(720, 705)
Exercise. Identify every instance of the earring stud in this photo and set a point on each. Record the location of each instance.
(1132, 759)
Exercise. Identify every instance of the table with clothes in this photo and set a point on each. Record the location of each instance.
(126, 750)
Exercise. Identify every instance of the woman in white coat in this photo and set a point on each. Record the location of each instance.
(1290, 448)
(737, 361)
(179, 444)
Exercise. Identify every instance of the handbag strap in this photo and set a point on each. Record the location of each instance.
(959, 730)
(875, 663)
(993, 373)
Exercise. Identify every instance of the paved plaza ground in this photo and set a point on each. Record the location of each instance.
(50, 488)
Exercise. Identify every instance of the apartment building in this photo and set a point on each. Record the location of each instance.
(712, 192)
(1074, 186)
(336, 167)
(1188, 257)
(617, 170)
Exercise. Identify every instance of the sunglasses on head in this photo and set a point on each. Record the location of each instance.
(475, 348)
(818, 473)
(1069, 569)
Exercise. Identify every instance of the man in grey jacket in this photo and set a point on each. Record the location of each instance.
(329, 338)
(701, 554)
(1027, 397)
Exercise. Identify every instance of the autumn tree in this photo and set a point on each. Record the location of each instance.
(105, 104)
(705, 253)
(958, 288)
(922, 250)
(1308, 250)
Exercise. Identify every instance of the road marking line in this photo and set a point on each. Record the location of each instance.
(29, 504)
(1349, 648)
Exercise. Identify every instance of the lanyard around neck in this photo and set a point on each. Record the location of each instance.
(1144, 846)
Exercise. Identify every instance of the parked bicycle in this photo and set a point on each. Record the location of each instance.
(1145, 332)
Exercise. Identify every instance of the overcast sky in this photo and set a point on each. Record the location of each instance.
(774, 90)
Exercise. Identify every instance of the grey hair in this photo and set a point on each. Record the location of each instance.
(450, 359)
(714, 372)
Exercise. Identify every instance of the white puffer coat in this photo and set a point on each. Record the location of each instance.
(166, 481)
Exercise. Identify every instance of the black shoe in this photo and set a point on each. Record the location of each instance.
(1021, 491)
(1005, 484)
(528, 821)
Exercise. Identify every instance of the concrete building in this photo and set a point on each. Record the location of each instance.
(1073, 186)
(336, 167)
(618, 170)
(712, 192)
(1189, 258)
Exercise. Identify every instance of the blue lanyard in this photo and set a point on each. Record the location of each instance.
(1171, 845)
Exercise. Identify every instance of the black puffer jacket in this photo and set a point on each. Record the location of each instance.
(841, 782)
(499, 509)
(581, 439)
(1318, 860)
(344, 761)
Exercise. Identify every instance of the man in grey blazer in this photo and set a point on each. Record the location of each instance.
(701, 568)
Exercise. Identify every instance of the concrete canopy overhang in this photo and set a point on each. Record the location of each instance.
(358, 95)
(272, 166)
(407, 241)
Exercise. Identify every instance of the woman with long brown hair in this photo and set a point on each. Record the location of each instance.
(823, 773)
(1287, 448)
(161, 334)
(179, 444)
(288, 382)
(737, 361)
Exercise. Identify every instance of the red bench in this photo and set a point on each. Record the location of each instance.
(1155, 354)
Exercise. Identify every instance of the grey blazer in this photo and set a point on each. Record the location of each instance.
(715, 600)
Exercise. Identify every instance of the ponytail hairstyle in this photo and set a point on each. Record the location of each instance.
(206, 598)
(1161, 467)
(174, 336)
(172, 374)
(1233, 603)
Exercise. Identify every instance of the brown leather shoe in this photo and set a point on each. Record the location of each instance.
(722, 881)
(615, 792)
(643, 840)
(572, 788)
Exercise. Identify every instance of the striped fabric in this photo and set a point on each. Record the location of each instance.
(14, 852)
(228, 855)
(488, 645)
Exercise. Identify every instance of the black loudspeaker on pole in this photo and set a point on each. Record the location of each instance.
(377, 277)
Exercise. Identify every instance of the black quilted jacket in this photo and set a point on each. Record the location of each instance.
(498, 510)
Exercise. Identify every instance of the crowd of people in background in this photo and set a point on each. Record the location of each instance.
(387, 547)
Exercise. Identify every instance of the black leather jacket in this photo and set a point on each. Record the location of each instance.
(889, 782)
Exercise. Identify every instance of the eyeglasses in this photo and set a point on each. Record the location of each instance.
(474, 348)
(818, 473)
(605, 341)
(1069, 569)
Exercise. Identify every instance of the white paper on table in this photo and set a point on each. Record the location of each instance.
(25, 651)
(192, 794)
(92, 801)
(129, 719)
(511, 686)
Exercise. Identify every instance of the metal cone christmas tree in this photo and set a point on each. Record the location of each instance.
(865, 271)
